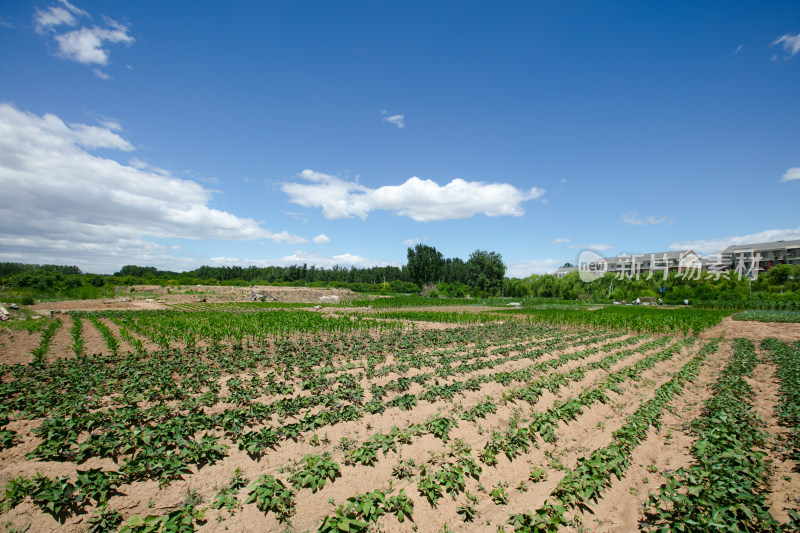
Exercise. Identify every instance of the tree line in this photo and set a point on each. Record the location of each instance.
(426, 269)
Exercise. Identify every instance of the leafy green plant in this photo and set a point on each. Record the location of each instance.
(16, 490)
(227, 495)
(104, 520)
(404, 469)
(315, 471)
(537, 474)
(97, 484)
(270, 494)
(469, 508)
(499, 494)
(57, 497)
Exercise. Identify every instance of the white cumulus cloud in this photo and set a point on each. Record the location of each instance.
(716, 245)
(87, 44)
(61, 203)
(397, 120)
(321, 239)
(792, 174)
(420, 200)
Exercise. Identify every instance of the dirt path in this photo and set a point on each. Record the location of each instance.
(16, 346)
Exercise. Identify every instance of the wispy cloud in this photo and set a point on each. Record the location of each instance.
(86, 44)
(792, 174)
(560, 240)
(415, 241)
(397, 120)
(59, 198)
(598, 247)
(716, 245)
(738, 49)
(791, 43)
(420, 200)
(632, 218)
(54, 16)
(537, 266)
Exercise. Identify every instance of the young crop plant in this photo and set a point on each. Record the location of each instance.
(404, 469)
(270, 494)
(469, 509)
(315, 471)
(57, 497)
(440, 427)
(181, 520)
(97, 484)
(8, 437)
(227, 495)
(363, 509)
(104, 520)
(256, 443)
(537, 475)
(16, 490)
(499, 494)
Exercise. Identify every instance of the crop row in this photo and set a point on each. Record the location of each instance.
(725, 486)
(584, 484)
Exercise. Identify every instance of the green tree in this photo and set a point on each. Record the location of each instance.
(425, 264)
(486, 271)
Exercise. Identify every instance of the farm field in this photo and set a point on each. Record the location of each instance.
(259, 417)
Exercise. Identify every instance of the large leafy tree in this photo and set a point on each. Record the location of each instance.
(486, 271)
(425, 264)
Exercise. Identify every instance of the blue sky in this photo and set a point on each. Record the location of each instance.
(177, 134)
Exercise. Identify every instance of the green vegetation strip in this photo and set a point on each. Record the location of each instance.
(724, 488)
(768, 316)
(40, 352)
(638, 319)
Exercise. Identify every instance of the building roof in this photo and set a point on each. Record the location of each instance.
(675, 254)
(762, 246)
(565, 270)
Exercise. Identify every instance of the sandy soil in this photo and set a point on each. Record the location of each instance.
(156, 297)
(755, 331)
